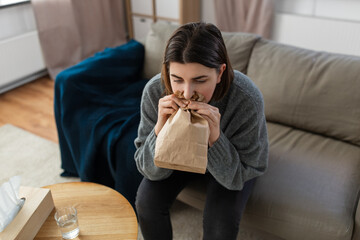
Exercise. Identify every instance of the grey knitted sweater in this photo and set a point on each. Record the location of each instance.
(240, 153)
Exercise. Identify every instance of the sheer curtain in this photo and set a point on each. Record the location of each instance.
(253, 16)
(72, 30)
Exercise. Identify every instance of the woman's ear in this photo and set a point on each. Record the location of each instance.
(221, 71)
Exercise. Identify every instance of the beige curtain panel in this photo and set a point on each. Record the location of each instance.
(72, 30)
(253, 16)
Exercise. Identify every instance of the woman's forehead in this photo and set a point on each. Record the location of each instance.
(189, 69)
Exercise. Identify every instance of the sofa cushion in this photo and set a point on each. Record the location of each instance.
(239, 47)
(310, 90)
(311, 188)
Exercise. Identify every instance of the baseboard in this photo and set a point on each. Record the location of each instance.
(22, 81)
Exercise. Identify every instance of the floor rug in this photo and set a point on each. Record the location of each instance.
(33, 158)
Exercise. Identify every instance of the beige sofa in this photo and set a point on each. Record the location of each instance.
(312, 104)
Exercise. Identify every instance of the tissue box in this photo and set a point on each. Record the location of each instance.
(38, 205)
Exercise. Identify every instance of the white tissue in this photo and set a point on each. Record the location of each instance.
(10, 203)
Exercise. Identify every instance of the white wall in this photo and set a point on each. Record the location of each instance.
(332, 9)
(324, 25)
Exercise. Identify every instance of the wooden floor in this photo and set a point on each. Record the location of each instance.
(30, 107)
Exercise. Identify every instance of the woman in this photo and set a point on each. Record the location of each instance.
(196, 61)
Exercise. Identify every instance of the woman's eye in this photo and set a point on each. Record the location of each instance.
(177, 80)
(201, 80)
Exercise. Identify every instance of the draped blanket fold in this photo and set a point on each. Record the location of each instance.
(97, 112)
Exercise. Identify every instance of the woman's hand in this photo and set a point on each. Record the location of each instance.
(212, 115)
(167, 106)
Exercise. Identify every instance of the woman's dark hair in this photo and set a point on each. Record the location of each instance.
(198, 43)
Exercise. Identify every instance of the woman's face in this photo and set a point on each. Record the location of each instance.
(194, 77)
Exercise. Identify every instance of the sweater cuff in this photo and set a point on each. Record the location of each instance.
(151, 141)
(217, 149)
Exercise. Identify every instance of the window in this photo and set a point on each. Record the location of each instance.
(6, 3)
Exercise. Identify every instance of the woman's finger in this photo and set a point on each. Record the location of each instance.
(180, 102)
(168, 111)
(206, 109)
(212, 117)
(201, 105)
(174, 100)
(208, 120)
(211, 111)
(169, 104)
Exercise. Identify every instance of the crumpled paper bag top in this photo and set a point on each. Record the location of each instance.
(10, 203)
(196, 97)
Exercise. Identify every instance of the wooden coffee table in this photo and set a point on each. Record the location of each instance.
(103, 213)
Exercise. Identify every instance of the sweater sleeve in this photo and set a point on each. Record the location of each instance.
(146, 139)
(241, 152)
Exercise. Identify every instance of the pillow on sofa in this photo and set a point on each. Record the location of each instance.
(239, 47)
(309, 90)
(155, 44)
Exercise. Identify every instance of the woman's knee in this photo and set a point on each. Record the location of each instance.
(142, 200)
(147, 198)
(221, 227)
(223, 210)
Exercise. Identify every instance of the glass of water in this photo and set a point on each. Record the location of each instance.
(66, 219)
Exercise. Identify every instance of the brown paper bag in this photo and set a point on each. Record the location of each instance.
(182, 143)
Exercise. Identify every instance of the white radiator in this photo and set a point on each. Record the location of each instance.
(321, 34)
(21, 60)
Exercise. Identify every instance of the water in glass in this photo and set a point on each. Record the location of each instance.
(66, 219)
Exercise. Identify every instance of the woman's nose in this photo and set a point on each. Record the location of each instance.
(188, 92)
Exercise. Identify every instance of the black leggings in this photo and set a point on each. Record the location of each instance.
(222, 212)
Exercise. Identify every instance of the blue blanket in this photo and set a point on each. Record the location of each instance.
(97, 112)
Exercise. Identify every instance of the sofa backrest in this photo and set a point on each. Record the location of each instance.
(239, 46)
(315, 91)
